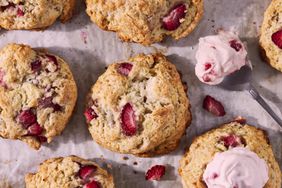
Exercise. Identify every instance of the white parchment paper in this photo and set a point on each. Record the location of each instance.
(89, 50)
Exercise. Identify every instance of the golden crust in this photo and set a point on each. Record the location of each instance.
(67, 10)
(36, 14)
(272, 23)
(66, 168)
(204, 147)
(22, 89)
(139, 20)
(160, 103)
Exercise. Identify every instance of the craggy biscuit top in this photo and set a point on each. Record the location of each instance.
(37, 94)
(146, 21)
(34, 14)
(229, 136)
(139, 107)
(69, 172)
(271, 34)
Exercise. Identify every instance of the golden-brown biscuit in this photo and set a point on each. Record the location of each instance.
(271, 35)
(139, 107)
(232, 135)
(69, 172)
(34, 14)
(146, 21)
(37, 94)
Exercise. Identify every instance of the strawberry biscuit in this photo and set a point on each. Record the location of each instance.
(271, 35)
(69, 172)
(234, 155)
(139, 107)
(34, 14)
(37, 95)
(146, 22)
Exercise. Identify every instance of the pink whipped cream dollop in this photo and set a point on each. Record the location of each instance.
(218, 56)
(236, 168)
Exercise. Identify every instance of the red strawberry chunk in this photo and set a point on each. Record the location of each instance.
(231, 140)
(36, 66)
(90, 114)
(124, 68)
(48, 103)
(35, 130)
(41, 139)
(86, 171)
(277, 38)
(54, 60)
(235, 45)
(240, 120)
(213, 106)
(173, 19)
(206, 78)
(208, 66)
(214, 176)
(155, 172)
(128, 122)
(92, 184)
(26, 118)
(20, 12)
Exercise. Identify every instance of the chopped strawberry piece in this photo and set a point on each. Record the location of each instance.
(155, 172)
(86, 171)
(240, 120)
(208, 66)
(213, 106)
(124, 68)
(26, 118)
(52, 58)
(174, 18)
(48, 103)
(35, 130)
(92, 184)
(41, 139)
(214, 176)
(231, 140)
(206, 78)
(235, 45)
(90, 114)
(36, 66)
(128, 122)
(277, 38)
(20, 12)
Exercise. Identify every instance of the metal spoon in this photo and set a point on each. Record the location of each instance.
(241, 81)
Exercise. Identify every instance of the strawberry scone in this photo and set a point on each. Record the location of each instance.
(69, 172)
(37, 94)
(139, 107)
(234, 155)
(146, 22)
(271, 35)
(34, 14)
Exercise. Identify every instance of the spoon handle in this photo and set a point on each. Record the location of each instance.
(262, 102)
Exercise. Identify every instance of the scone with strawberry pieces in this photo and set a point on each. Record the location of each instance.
(37, 94)
(34, 14)
(144, 21)
(235, 155)
(69, 172)
(139, 107)
(271, 35)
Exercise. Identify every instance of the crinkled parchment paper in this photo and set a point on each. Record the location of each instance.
(89, 50)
